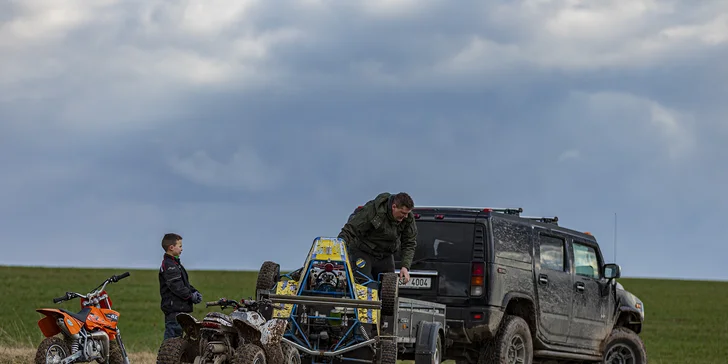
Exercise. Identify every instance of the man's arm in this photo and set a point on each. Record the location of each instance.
(173, 276)
(408, 243)
(358, 225)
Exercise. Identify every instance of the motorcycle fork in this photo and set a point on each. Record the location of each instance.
(122, 347)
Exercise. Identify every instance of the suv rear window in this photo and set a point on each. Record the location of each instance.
(442, 240)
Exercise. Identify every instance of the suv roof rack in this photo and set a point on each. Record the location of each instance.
(547, 220)
(508, 210)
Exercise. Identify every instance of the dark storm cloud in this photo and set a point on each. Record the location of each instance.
(257, 124)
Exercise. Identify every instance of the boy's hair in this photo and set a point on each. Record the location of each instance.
(170, 239)
(402, 199)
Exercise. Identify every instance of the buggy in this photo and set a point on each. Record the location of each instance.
(337, 314)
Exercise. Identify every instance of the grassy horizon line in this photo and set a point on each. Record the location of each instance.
(665, 278)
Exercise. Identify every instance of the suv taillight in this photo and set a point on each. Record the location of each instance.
(476, 279)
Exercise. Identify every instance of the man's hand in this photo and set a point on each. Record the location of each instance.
(197, 297)
(404, 275)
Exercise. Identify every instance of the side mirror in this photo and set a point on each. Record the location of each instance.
(612, 271)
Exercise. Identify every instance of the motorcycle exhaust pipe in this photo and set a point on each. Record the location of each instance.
(105, 346)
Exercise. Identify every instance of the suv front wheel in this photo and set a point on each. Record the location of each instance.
(624, 346)
(512, 344)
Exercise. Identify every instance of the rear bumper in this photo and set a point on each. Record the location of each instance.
(473, 324)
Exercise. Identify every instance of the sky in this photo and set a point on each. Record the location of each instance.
(251, 127)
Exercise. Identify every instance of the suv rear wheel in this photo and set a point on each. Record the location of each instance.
(512, 343)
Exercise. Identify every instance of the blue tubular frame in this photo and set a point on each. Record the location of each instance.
(352, 336)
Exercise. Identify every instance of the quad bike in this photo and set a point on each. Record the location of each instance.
(91, 334)
(243, 337)
(336, 313)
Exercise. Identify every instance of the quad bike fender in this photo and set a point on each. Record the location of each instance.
(49, 325)
(248, 324)
(189, 324)
(272, 331)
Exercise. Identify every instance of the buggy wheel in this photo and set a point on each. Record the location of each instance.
(249, 354)
(389, 292)
(174, 351)
(268, 276)
(388, 352)
(52, 350)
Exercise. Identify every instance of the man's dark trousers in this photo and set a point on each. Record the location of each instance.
(371, 265)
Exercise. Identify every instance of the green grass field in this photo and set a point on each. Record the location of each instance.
(686, 321)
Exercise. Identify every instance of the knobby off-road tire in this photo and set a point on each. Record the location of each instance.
(175, 350)
(55, 346)
(115, 356)
(623, 343)
(290, 354)
(513, 339)
(388, 354)
(435, 358)
(389, 292)
(268, 276)
(249, 354)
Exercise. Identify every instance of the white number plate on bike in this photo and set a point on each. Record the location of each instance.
(417, 283)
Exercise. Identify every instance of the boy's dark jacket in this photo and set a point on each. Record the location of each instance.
(174, 286)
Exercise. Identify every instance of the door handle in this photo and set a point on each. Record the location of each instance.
(543, 279)
(579, 287)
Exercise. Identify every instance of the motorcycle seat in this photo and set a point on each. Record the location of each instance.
(80, 316)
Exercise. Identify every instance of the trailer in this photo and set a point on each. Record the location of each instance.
(419, 328)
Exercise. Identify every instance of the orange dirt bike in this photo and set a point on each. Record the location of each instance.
(91, 334)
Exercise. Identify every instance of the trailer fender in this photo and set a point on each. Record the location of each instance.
(426, 344)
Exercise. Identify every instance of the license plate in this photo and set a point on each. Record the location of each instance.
(417, 283)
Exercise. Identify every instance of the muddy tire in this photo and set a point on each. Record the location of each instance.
(175, 350)
(52, 348)
(115, 355)
(389, 292)
(624, 343)
(268, 276)
(388, 353)
(290, 354)
(249, 354)
(512, 343)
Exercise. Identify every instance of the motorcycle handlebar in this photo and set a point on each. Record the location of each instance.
(212, 303)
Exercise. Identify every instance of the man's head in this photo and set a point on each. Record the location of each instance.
(172, 244)
(402, 204)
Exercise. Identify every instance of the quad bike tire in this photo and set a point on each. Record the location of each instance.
(59, 345)
(268, 276)
(389, 292)
(621, 343)
(513, 332)
(175, 350)
(290, 354)
(388, 354)
(249, 354)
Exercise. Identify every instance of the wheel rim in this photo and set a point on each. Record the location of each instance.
(517, 350)
(436, 356)
(55, 354)
(620, 354)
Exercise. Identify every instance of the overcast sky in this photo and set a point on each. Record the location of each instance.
(251, 127)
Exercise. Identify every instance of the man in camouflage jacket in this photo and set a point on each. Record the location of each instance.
(377, 230)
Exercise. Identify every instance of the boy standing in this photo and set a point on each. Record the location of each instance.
(177, 293)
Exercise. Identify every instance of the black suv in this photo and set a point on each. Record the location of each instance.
(522, 287)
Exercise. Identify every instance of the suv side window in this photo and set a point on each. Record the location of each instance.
(586, 262)
(552, 251)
